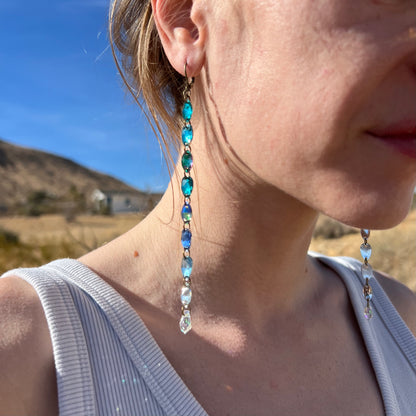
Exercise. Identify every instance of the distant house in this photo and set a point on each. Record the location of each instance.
(118, 202)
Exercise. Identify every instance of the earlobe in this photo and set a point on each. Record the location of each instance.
(182, 32)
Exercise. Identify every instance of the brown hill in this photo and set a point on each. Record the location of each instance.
(24, 171)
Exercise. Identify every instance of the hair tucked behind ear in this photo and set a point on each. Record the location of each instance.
(146, 70)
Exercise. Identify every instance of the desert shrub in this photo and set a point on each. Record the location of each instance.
(102, 210)
(54, 250)
(328, 228)
(32, 255)
(39, 203)
(8, 238)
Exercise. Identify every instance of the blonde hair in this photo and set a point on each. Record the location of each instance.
(154, 83)
(146, 71)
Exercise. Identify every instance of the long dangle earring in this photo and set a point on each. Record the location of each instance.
(366, 272)
(187, 185)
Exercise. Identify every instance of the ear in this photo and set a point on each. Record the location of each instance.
(182, 31)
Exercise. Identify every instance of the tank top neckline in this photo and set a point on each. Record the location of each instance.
(153, 364)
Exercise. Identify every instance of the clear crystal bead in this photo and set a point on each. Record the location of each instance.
(367, 271)
(368, 296)
(365, 250)
(367, 292)
(368, 313)
(365, 233)
(186, 295)
(185, 323)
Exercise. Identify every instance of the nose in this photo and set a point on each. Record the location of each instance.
(412, 33)
(406, 40)
(411, 38)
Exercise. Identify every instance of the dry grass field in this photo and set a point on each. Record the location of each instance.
(394, 250)
(46, 238)
(42, 239)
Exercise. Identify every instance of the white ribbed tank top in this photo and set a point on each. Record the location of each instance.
(108, 363)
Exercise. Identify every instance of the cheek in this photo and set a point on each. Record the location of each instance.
(291, 90)
(288, 92)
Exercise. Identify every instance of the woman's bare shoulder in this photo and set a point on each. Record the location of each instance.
(27, 376)
(403, 299)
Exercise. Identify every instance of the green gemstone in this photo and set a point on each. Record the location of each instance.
(187, 161)
(187, 186)
(187, 212)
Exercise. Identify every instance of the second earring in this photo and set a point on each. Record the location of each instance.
(367, 273)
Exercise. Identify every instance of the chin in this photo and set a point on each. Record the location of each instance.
(376, 214)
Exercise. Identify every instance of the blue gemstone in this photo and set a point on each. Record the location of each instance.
(187, 161)
(186, 238)
(186, 266)
(187, 134)
(186, 212)
(187, 186)
(187, 110)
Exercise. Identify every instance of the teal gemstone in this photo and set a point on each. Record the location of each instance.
(186, 213)
(186, 266)
(187, 161)
(187, 134)
(186, 238)
(187, 186)
(187, 110)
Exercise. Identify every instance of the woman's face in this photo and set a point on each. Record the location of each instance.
(298, 83)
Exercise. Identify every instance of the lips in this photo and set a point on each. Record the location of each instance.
(400, 136)
(406, 128)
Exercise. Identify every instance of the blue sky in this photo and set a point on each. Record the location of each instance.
(60, 91)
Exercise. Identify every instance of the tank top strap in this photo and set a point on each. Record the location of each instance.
(73, 370)
(389, 342)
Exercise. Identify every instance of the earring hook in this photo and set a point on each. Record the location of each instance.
(188, 87)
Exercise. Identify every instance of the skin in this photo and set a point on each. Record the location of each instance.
(284, 93)
(288, 93)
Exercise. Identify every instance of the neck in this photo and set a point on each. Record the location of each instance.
(249, 247)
